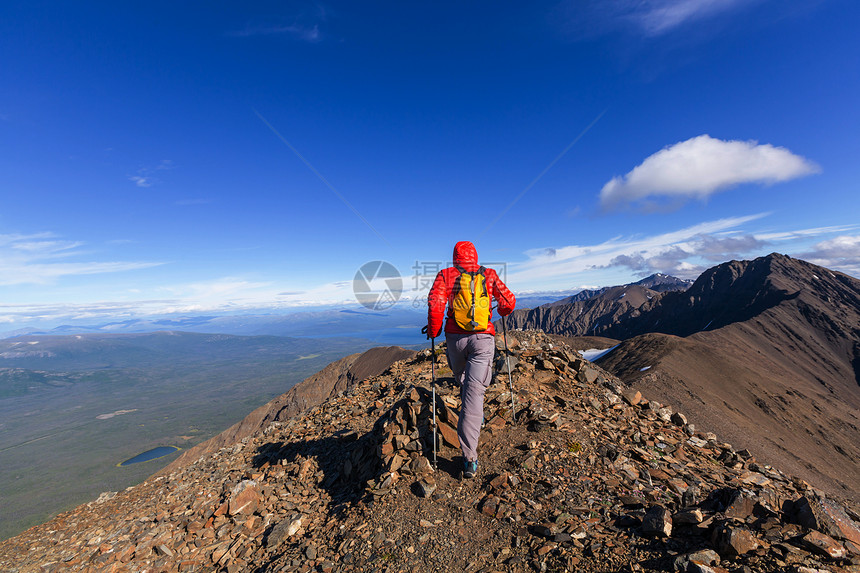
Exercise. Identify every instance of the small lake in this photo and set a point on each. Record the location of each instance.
(152, 454)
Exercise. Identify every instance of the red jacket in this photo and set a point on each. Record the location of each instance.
(465, 256)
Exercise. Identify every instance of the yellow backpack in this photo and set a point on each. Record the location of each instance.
(471, 301)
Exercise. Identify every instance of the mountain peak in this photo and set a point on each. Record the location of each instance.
(662, 283)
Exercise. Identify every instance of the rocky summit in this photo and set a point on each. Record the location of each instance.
(577, 473)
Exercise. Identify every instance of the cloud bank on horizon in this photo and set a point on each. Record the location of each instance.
(699, 167)
(684, 253)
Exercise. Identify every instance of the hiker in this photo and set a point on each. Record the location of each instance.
(467, 289)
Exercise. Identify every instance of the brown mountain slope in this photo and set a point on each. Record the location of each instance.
(585, 480)
(754, 397)
(770, 358)
(334, 378)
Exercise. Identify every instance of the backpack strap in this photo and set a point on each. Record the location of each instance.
(481, 271)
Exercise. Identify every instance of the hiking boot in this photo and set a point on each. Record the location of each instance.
(470, 469)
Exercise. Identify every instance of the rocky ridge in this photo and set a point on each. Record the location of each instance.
(591, 476)
(592, 316)
(595, 312)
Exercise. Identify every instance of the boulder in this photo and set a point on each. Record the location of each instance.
(425, 487)
(739, 505)
(819, 513)
(632, 397)
(657, 522)
(823, 545)
(732, 541)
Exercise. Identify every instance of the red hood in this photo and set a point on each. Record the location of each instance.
(466, 256)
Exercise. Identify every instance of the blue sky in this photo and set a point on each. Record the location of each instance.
(218, 156)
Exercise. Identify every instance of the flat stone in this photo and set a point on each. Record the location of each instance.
(395, 463)
(500, 481)
(665, 414)
(282, 531)
(245, 502)
(449, 435)
(755, 478)
(587, 375)
(823, 545)
(546, 529)
(489, 506)
(705, 557)
(697, 442)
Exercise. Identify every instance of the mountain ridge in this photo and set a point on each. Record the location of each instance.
(593, 312)
(592, 477)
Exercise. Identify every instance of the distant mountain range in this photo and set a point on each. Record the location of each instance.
(594, 312)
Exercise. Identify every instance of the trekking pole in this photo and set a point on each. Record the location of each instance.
(433, 384)
(508, 362)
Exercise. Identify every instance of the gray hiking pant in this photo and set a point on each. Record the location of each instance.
(471, 359)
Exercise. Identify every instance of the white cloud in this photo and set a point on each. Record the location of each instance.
(31, 259)
(306, 33)
(140, 180)
(800, 234)
(548, 264)
(701, 166)
(684, 253)
(656, 17)
(144, 176)
(842, 253)
(651, 18)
